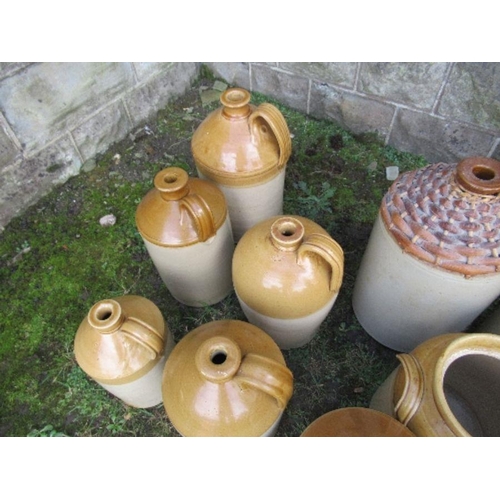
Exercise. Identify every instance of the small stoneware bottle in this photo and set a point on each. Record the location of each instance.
(244, 150)
(287, 272)
(356, 422)
(226, 378)
(186, 229)
(123, 344)
(432, 263)
(448, 386)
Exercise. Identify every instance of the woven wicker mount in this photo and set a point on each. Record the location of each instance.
(434, 215)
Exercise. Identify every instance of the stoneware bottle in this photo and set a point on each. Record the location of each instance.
(287, 272)
(244, 149)
(123, 344)
(226, 378)
(186, 229)
(448, 386)
(356, 422)
(432, 263)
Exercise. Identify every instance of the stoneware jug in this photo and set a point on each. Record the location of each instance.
(186, 229)
(226, 378)
(287, 272)
(123, 344)
(244, 149)
(356, 422)
(448, 386)
(432, 263)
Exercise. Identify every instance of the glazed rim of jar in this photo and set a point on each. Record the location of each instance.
(465, 345)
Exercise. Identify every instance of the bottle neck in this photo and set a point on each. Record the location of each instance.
(479, 175)
(235, 103)
(287, 234)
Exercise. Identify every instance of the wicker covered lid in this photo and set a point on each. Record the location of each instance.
(448, 215)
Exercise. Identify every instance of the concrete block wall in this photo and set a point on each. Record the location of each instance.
(442, 111)
(54, 117)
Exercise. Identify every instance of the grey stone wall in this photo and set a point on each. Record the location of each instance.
(442, 111)
(56, 116)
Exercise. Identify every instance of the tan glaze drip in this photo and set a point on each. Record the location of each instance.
(356, 422)
(180, 211)
(226, 378)
(240, 145)
(448, 215)
(449, 386)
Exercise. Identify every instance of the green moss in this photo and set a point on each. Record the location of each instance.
(57, 261)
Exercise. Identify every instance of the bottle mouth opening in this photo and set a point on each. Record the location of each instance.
(172, 183)
(483, 173)
(218, 357)
(479, 175)
(287, 233)
(106, 316)
(235, 97)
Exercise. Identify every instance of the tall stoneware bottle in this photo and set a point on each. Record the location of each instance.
(447, 386)
(432, 263)
(287, 272)
(123, 344)
(244, 149)
(185, 226)
(226, 378)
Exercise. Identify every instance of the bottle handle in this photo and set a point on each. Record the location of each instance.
(412, 387)
(272, 116)
(330, 251)
(201, 214)
(266, 375)
(144, 335)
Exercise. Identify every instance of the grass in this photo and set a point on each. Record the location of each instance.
(57, 261)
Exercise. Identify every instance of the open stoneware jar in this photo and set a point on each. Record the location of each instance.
(123, 344)
(432, 263)
(226, 378)
(244, 150)
(448, 386)
(287, 272)
(185, 226)
(356, 422)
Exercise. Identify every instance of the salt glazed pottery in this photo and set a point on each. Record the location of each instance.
(432, 263)
(185, 226)
(244, 150)
(448, 386)
(123, 344)
(356, 422)
(226, 378)
(287, 272)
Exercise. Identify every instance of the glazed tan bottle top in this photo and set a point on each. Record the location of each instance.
(448, 215)
(240, 144)
(226, 378)
(287, 267)
(120, 339)
(180, 210)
